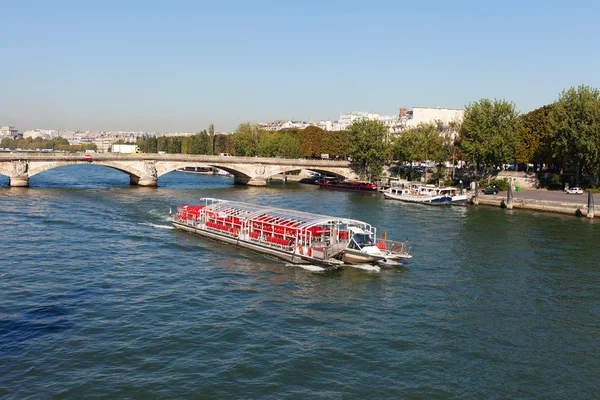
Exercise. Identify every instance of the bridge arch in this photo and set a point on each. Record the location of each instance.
(37, 169)
(248, 172)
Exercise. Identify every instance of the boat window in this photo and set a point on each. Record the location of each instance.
(363, 240)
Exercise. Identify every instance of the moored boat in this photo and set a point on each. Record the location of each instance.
(348, 185)
(425, 194)
(293, 236)
(197, 170)
(311, 178)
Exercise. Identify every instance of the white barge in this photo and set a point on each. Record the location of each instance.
(293, 236)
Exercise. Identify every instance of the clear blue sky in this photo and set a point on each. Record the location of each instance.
(178, 66)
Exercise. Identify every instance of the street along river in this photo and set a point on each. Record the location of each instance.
(100, 297)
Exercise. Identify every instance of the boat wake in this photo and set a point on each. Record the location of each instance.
(157, 226)
(308, 267)
(365, 267)
(391, 263)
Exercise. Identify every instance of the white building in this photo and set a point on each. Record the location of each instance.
(8, 131)
(43, 133)
(347, 119)
(428, 115)
(325, 125)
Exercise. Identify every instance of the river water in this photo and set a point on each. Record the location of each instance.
(99, 297)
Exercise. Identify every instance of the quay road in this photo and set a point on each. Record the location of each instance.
(544, 200)
(548, 195)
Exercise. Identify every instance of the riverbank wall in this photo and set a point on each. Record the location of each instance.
(578, 210)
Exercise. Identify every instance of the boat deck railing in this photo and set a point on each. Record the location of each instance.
(393, 246)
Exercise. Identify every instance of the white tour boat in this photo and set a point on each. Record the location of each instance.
(293, 236)
(425, 194)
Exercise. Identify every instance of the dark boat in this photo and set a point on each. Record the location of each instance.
(348, 185)
(311, 179)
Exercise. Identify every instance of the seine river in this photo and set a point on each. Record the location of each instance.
(100, 298)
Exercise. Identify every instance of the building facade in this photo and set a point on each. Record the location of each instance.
(9, 132)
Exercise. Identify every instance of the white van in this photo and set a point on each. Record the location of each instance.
(225, 155)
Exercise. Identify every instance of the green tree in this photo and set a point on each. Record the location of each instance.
(149, 145)
(426, 142)
(211, 139)
(174, 145)
(575, 120)
(246, 138)
(223, 144)
(268, 145)
(195, 147)
(534, 136)
(488, 133)
(162, 143)
(186, 145)
(367, 145)
(289, 146)
(204, 143)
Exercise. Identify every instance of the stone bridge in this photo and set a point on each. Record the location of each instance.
(145, 169)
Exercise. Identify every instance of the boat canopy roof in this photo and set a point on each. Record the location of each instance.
(249, 211)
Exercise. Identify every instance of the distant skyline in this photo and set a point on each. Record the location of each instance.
(167, 67)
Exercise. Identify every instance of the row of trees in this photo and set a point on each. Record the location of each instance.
(563, 135)
(251, 140)
(40, 144)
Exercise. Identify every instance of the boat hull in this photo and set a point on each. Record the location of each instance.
(434, 201)
(290, 257)
(460, 200)
(351, 256)
(352, 186)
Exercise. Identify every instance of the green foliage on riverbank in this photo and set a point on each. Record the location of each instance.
(488, 135)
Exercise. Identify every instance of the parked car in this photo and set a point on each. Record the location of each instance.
(575, 190)
(490, 190)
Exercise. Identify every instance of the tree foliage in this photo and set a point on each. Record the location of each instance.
(310, 141)
(39, 143)
(289, 146)
(367, 145)
(533, 136)
(246, 139)
(223, 144)
(336, 144)
(211, 139)
(488, 133)
(575, 120)
(426, 142)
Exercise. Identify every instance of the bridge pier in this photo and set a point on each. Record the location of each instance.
(18, 181)
(257, 181)
(144, 181)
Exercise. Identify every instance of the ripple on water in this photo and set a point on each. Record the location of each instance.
(98, 296)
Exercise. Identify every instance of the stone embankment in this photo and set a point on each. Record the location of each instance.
(555, 206)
